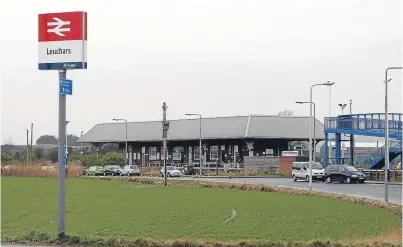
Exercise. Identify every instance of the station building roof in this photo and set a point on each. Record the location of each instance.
(233, 127)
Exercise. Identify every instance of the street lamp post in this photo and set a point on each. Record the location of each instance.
(342, 106)
(314, 125)
(200, 138)
(330, 115)
(387, 132)
(126, 150)
(310, 129)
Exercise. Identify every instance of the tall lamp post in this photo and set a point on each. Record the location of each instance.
(342, 106)
(330, 115)
(310, 128)
(314, 125)
(200, 138)
(126, 150)
(387, 132)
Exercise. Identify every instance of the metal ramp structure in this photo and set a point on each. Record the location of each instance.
(369, 124)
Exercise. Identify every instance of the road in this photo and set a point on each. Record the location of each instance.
(370, 191)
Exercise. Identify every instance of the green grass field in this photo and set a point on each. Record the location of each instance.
(112, 209)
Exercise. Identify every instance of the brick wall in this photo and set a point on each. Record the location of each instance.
(261, 163)
(286, 163)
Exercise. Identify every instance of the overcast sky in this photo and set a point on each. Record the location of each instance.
(214, 57)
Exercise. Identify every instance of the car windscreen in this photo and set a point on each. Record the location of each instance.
(317, 165)
(351, 168)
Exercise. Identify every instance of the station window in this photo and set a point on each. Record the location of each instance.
(213, 152)
(152, 152)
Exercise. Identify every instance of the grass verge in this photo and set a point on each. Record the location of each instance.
(131, 211)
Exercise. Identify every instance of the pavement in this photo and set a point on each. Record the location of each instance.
(368, 190)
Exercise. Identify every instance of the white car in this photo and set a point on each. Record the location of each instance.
(171, 172)
(300, 170)
(130, 170)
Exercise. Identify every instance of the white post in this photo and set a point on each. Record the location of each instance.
(330, 115)
(310, 139)
(200, 144)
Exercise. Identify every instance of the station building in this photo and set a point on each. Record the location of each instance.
(224, 139)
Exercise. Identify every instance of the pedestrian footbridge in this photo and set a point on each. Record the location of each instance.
(369, 124)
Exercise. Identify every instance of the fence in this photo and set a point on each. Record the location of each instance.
(379, 175)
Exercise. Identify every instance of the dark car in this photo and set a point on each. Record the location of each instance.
(113, 170)
(344, 173)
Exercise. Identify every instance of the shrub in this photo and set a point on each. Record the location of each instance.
(91, 160)
(6, 158)
(113, 158)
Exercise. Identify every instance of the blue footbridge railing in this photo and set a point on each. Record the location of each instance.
(370, 124)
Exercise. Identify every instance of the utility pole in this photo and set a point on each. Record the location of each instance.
(27, 146)
(81, 146)
(165, 127)
(32, 137)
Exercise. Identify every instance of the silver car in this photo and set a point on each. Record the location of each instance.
(171, 172)
(131, 170)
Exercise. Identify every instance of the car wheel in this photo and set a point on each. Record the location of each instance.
(361, 181)
(128, 174)
(168, 175)
(328, 180)
(348, 180)
(294, 178)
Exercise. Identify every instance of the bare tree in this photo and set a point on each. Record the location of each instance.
(9, 142)
(286, 113)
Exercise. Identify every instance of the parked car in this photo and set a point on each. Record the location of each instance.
(344, 173)
(113, 170)
(95, 171)
(300, 171)
(171, 172)
(131, 170)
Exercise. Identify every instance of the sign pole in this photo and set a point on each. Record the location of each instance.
(62, 46)
(61, 160)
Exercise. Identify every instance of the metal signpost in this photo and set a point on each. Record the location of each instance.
(62, 46)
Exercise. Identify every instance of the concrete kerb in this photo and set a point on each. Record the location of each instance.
(289, 177)
(236, 177)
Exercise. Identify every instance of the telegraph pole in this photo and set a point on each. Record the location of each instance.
(27, 146)
(32, 137)
(165, 127)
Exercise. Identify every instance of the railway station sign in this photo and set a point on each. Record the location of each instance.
(62, 40)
